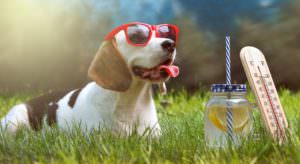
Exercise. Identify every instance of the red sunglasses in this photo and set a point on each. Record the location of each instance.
(139, 34)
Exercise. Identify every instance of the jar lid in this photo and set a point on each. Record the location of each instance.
(228, 88)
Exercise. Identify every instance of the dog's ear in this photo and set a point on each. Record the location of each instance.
(109, 69)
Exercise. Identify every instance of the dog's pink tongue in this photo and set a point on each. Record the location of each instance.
(172, 70)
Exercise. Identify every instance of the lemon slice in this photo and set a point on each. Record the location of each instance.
(217, 115)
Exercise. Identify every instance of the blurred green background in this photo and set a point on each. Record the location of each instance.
(48, 44)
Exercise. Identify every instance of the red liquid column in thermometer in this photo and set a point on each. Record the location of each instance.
(261, 82)
(271, 100)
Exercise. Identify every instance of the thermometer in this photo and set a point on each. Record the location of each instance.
(261, 82)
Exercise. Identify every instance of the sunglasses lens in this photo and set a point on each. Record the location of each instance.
(167, 32)
(138, 34)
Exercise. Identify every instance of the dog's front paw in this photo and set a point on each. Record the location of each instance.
(156, 133)
(153, 132)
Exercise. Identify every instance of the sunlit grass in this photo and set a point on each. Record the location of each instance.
(182, 141)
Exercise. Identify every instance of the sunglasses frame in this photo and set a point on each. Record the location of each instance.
(151, 28)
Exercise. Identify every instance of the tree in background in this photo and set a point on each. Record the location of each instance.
(49, 44)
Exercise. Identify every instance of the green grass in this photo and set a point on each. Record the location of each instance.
(182, 140)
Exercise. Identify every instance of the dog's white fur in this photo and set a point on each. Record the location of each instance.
(96, 107)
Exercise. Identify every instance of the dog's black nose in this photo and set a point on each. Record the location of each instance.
(168, 46)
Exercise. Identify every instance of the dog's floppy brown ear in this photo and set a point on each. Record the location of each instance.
(109, 69)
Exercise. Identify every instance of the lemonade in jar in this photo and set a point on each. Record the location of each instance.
(227, 97)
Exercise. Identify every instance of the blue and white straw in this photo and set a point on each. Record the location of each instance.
(229, 118)
(228, 69)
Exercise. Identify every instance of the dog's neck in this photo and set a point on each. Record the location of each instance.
(138, 97)
(125, 105)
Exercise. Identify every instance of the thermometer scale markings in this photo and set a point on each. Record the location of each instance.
(275, 114)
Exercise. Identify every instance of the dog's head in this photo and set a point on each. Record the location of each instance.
(117, 63)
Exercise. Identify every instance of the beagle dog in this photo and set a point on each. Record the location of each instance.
(120, 96)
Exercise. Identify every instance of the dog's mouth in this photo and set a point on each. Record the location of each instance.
(162, 71)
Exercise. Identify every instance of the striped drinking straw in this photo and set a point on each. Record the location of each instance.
(229, 118)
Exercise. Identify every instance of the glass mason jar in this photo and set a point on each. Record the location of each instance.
(227, 97)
